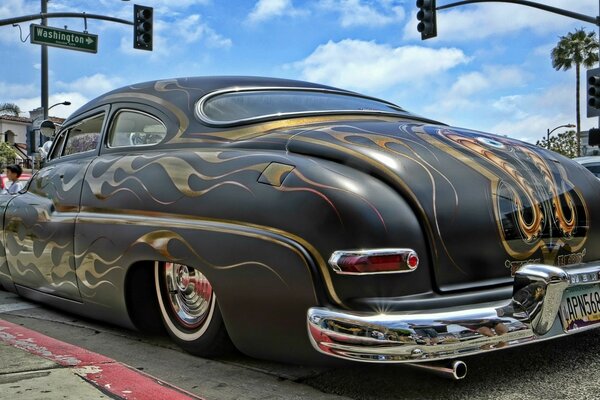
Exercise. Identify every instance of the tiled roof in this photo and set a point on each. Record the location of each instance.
(8, 117)
(57, 120)
(26, 120)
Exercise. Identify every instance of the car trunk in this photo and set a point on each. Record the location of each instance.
(487, 204)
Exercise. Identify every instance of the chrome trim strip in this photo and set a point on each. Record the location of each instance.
(416, 336)
(200, 114)
(336, 255)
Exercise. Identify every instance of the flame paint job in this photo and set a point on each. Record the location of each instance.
(259, 209)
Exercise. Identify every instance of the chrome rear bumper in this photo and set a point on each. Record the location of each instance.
(531, 314)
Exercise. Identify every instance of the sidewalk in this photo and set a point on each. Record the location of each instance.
(34, 366)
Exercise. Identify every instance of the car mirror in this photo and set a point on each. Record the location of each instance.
(48, 129)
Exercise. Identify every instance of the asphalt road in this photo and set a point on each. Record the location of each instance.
(566, 368)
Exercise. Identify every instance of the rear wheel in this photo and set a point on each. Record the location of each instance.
(190, 310)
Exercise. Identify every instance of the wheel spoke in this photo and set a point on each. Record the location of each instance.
(189, 294)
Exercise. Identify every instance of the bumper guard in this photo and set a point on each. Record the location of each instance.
(414, 336)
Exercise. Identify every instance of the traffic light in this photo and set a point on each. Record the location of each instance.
(593, 92)
(594, 137)
(426, 17)
(142, 27)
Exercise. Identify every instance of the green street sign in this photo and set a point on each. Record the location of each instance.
(63, 38)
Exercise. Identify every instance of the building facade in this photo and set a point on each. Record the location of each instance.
(22, 134)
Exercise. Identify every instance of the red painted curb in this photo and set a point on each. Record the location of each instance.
(106, 374)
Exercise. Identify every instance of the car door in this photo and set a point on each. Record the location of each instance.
(40, 223)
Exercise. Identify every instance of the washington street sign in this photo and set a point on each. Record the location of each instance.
(63, 38)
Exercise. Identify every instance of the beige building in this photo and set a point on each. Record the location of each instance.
(20, 131)
(14, 130)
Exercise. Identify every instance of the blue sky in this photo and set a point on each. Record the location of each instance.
(489, 68)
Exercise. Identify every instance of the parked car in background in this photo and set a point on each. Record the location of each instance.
(592, 163)
(304, 223)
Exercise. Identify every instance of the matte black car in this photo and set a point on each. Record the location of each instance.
(300, 222)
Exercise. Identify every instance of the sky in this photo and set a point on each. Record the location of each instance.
(489, 68)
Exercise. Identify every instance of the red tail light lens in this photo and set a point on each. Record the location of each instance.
(378, 261)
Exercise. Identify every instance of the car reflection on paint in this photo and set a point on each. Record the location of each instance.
(302, 223)
(592, 163)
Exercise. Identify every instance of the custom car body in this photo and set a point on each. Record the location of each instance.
(300, 222)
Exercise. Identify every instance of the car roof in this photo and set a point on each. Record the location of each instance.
(190, 89)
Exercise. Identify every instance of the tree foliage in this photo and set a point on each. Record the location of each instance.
(564, 143)
(8, 154)
(10, 108)
(576, 48)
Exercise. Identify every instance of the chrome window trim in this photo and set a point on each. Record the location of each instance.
(201, 115)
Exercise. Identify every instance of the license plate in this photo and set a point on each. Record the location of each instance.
(580, 307)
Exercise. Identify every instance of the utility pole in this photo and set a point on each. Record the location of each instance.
(45, 64)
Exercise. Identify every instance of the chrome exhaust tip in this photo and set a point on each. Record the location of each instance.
(455, 369)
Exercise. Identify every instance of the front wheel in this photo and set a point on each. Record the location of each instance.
(190, 310)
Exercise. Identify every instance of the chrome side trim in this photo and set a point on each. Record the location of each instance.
(417, 336)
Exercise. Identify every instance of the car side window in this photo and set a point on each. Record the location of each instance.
(133, 128)
(59, 143)
(84, 136)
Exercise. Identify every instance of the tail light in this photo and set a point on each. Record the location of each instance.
(376, 261)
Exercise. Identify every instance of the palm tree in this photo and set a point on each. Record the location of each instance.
(579, 48)
(10, 108)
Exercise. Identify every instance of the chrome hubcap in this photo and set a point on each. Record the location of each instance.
(190, 294)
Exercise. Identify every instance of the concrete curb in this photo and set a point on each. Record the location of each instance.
(115, 379)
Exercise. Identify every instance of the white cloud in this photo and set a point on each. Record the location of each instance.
(474, 91)
(90, 86)
(369, 66)
(526, 116)
(78, 92)
(192, 29)
(360, 13)
(27, 104)
(160, 6)
(170, 4)
(13, 8)
(470, 83)
(11, 90)
(268, 9)
(172, 37)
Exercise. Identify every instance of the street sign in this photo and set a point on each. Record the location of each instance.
(63, 38)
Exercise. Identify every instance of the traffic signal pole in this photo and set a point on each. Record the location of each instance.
(555, 10)
(427, 28)
(142, 37)
(44, 65)
(427, 13)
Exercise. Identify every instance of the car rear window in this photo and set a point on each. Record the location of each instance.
(134, 128)
(250, 105)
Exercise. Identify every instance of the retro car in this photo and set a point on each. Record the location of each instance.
(304, 223)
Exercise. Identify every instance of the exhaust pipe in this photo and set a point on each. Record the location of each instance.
(455, 369)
